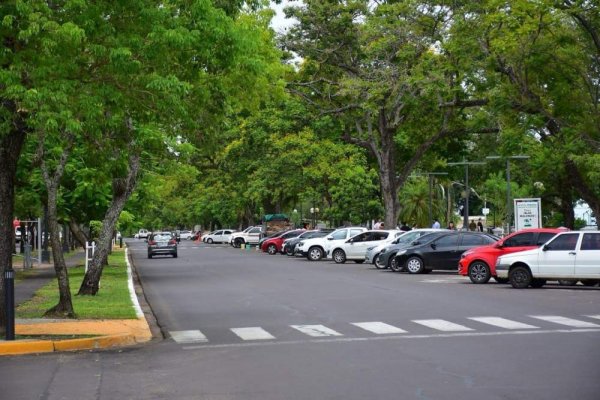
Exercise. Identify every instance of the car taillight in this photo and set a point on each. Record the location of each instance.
(151, 242)
(172, 241)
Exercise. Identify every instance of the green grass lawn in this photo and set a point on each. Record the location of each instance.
(111, 302)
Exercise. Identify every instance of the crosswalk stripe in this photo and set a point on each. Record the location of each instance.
(566, 321)
(442, 325)
(379, 328)
(191, 336)
(594, 316)
(252, 333)
(316, 330)
(503, 323)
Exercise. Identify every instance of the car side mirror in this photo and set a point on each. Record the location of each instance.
(499, 245)
(545, 247)
(433, 246)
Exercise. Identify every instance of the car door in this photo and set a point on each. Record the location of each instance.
(217, 236)
(442, 252)
(587, 261)
(372, 239)
(557, 257)
(359, 243)
(519, 242)
(254, 235)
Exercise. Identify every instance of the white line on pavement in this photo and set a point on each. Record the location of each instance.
(379, 328)
(442, 325)
(565, 321)
(316, 330)
(503, 323)
(252, 333)
(191, 336)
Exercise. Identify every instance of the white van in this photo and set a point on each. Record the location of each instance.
(568, 256)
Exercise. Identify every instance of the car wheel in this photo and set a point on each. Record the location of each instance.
(501, 280)
(415, 265)
(520, 277)
(209, 241)
(589, 282)
(339, 256)
(289, 252)
(378, 263)
(359, 261)
(537, 283)
(315, 254)
(567, 282)
(395, 265)
(238, 243)
(479, 272)
(272, 249)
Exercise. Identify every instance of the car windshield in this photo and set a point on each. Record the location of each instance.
(162, 237)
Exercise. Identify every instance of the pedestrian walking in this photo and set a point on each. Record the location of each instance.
(436, 224)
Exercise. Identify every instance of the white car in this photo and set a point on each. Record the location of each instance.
(356, 247)
(185, 235)
(567, 256)
(220, 236)
(250, 235)
(142, 234)
(315, 249)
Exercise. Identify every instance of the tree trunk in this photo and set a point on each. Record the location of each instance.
(11, 144)
(64, 308)
(583, 189)
(122, 189)
(77, 232)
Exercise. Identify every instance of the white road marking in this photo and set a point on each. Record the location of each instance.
(379, 328)
(566, 321)
(392, 337)
(316, 330)
(193, 336)
(442, 325)
(503, 323)
(252, 333)
(593, 316)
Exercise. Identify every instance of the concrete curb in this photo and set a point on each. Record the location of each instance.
(48, 346)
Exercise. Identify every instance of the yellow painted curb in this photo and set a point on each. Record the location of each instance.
(101, 342)
(26, 346)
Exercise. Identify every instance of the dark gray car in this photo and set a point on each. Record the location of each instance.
(162, 243)
(385, 259)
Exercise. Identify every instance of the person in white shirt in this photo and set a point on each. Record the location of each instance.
(436, 225)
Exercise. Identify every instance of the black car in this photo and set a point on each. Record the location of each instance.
(385, 259)
(160, 243)
(290, 244)
(440, 252)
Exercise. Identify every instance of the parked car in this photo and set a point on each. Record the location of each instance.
(385, 257)
(218, 236)
(272, 235)
(356, 247)
(315, 249)
(289, 245)
(185, 235)
(161, 243)
(479, 264)
(275, 245)
(250, 235)
(441, 252)
(568, 256)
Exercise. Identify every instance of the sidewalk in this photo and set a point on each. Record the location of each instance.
(102, 333)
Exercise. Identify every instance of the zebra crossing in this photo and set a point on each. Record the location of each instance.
(418, 327)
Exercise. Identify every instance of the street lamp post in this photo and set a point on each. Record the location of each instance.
(509, 210)
(467, 188)
(314, 211)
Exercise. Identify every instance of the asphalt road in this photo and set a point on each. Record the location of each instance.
(242, 325)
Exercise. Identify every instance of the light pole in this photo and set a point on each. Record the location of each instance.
(431, 175)
(467, 188)
(509, 210)
(314, 211)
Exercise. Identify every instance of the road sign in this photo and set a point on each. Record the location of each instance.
(528, 213)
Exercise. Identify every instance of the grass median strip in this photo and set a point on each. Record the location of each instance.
(112, 301)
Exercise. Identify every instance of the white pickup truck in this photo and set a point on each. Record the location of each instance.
(250, 235)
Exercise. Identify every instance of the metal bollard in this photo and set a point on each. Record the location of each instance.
(121, 242)
(9, 302)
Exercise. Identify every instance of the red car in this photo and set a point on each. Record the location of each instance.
(479, 264)
(274, 244)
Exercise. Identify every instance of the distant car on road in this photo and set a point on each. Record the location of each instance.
(185, 235)
(162, 243)
(479, 264)
(356, 247)
(142, 234)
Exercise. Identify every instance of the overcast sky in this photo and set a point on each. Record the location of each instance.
(279, 22)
